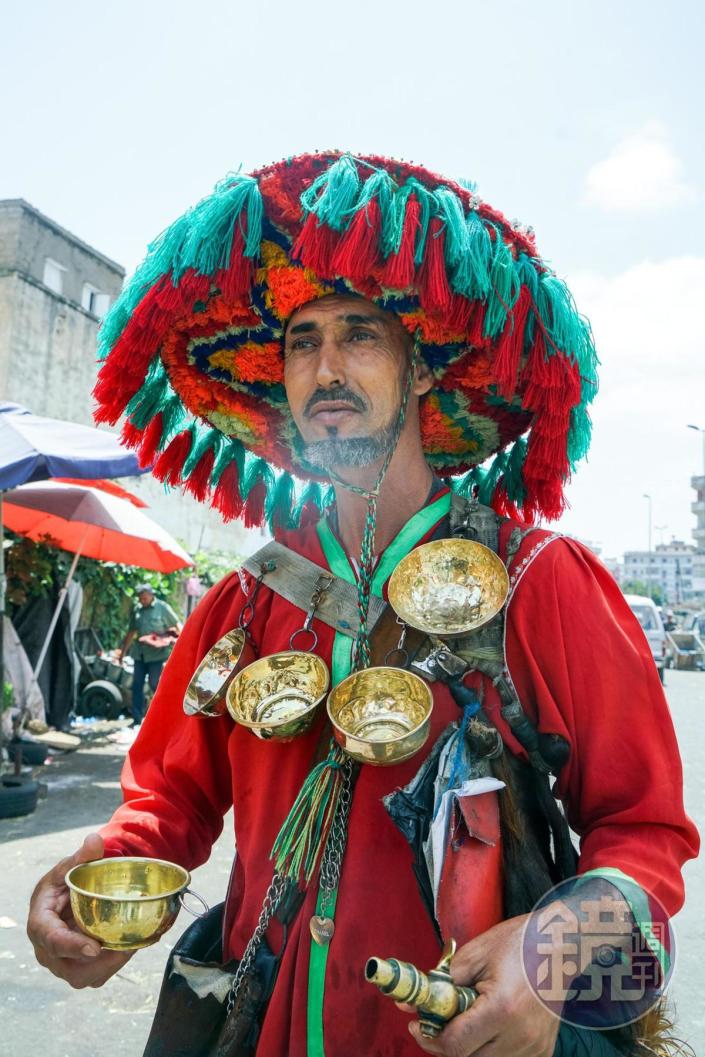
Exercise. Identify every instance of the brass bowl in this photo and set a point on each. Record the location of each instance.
(449, 587)
(127, 903)
(205, 694)
(277, 696)
(381, 715)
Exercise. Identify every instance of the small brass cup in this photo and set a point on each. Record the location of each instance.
(128, 903)
(205, 694)
(381, 715)
(449, 587)
(277, 696)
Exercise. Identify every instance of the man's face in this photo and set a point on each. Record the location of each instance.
(345, 363)
(146, 598)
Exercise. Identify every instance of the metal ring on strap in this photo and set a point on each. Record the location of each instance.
(303, 631)
(402, 654)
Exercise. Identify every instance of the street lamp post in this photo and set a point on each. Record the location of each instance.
(648, 569)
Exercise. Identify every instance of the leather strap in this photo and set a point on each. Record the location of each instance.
(296, 578)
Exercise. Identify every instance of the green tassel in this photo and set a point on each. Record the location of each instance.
(302, 837)
(491, 478)
(428, 209)
(333, 196)
(172, 416)
(393, 223)
(201, 238)
(208, 243)
(256, 470)
(579, 434)
(514, 472)
(505, 284)
(231, 451)
(312, 493)
(277, 510)
(204, 439)
(450, 209)
(149, 399)
(465, 485)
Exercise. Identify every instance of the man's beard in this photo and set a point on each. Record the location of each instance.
(352, 452)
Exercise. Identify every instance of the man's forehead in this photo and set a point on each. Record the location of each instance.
(340, 307)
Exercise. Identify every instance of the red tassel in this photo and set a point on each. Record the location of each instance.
(510, 345)
(130, 435)
(237, 279)
(399, 271)
(475, 337)
(151, 440)
(434, 292)
(227, 498)
(315, 247)
(358, 252)
(310, 514)
(198, 483)
(170, 463)
(254, 505)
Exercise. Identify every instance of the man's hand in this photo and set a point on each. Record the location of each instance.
(58, 944)
(507, 1019)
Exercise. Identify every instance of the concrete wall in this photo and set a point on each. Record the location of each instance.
(48, 356)
(27, 238)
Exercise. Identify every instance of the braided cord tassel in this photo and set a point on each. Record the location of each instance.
(361, 648)
(305, 829)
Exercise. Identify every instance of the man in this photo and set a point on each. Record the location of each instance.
(153, 621)
(364, 322)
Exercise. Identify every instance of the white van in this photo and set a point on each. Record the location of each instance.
(645, 611)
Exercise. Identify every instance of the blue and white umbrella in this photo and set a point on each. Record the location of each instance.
(34, 448)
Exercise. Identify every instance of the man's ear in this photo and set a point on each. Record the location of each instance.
(423, 381)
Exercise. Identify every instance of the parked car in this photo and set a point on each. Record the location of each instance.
(645, 611)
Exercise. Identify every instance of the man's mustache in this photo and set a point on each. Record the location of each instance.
(340, 393)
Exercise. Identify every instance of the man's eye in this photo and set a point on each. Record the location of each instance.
(362, 335)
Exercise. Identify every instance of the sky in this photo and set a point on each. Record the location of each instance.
(584, 120)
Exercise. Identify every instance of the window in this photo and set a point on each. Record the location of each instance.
(94, 301)
(53, 275)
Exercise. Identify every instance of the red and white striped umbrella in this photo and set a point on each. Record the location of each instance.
(93, 523)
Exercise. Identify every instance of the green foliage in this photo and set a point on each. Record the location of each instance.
(638, 587)
(214, 565)
(36, 569)
(8, 697)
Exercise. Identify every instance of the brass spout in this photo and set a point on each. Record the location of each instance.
(435, 995)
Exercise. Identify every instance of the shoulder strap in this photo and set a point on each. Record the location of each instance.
(296, 578)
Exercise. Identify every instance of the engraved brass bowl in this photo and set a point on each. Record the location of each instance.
(205, 694)
(277, 696)
(126, 903)
(449, 587)
(381, 715)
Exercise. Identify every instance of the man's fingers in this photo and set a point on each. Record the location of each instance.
(59, 940)
(469, 963)
(92, 848)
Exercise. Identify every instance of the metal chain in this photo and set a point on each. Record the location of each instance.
(270, 905)
(332, 860)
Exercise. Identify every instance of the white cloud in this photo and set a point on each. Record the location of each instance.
(642, 173)
(650, 335)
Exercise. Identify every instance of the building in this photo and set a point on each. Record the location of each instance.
(54, 290)
(677, 568)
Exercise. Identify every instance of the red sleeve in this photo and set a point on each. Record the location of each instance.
(583, 669)
(176, 780)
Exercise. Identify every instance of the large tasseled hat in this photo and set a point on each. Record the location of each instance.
(193, 346)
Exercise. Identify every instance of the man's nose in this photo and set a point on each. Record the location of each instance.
(330, 369)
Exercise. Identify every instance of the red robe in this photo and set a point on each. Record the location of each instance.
(582, 669)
